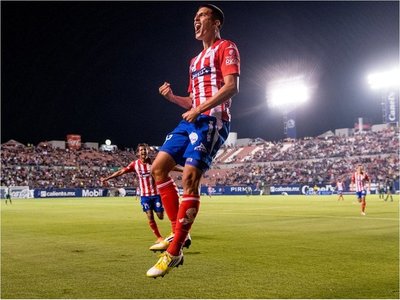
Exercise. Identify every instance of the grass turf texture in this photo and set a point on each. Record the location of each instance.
(243, 247)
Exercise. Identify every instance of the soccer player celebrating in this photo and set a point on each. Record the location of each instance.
(360, 183)
(149, 196)
(213, 81)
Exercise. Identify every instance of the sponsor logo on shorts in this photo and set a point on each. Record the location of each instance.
(201, 148)
(193, 137)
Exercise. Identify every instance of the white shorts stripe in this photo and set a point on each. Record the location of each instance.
(191, 198)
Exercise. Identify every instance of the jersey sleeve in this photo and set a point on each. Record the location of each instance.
(130, 168)
(230, 59)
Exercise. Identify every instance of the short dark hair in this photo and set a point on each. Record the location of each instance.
(218, 14)
(142, 145)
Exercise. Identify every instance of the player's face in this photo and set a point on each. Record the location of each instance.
(204, 25)
(359, 169)
(143, 152)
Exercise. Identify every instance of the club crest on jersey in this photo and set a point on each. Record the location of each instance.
(193, 137)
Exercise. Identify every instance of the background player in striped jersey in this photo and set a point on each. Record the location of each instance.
(361, 183)
(213, 81)
(149, 196)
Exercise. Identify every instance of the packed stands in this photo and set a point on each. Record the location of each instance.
(307, 160)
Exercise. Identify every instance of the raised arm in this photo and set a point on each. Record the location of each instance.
(113, 175)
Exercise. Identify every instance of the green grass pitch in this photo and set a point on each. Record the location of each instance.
(243, 247)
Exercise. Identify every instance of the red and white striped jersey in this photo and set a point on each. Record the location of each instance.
(207, 71)
(360, 180)
(146, 181)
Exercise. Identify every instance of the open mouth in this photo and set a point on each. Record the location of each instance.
(197, 27)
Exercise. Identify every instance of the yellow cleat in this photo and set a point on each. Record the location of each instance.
(163, 245)
(170, 237)
(165, 263)
(160, 246)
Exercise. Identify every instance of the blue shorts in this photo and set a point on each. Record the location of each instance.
(196, 143)
(361, 194)
(151, 203)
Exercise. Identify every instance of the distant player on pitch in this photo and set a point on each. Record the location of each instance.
(389, 188)
(209, 190)
(361, 183)
(340, 188)
(8, 195)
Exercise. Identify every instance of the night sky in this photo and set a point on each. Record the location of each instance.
(94, 68)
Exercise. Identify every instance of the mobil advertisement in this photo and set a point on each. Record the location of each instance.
(62, 193)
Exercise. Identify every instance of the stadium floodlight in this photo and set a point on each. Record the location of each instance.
(384, 80)
(287, 92)
(388, 84)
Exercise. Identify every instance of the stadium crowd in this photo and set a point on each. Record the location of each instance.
(46, 167)
(307, 161)
(322, 171)
(315, 160)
